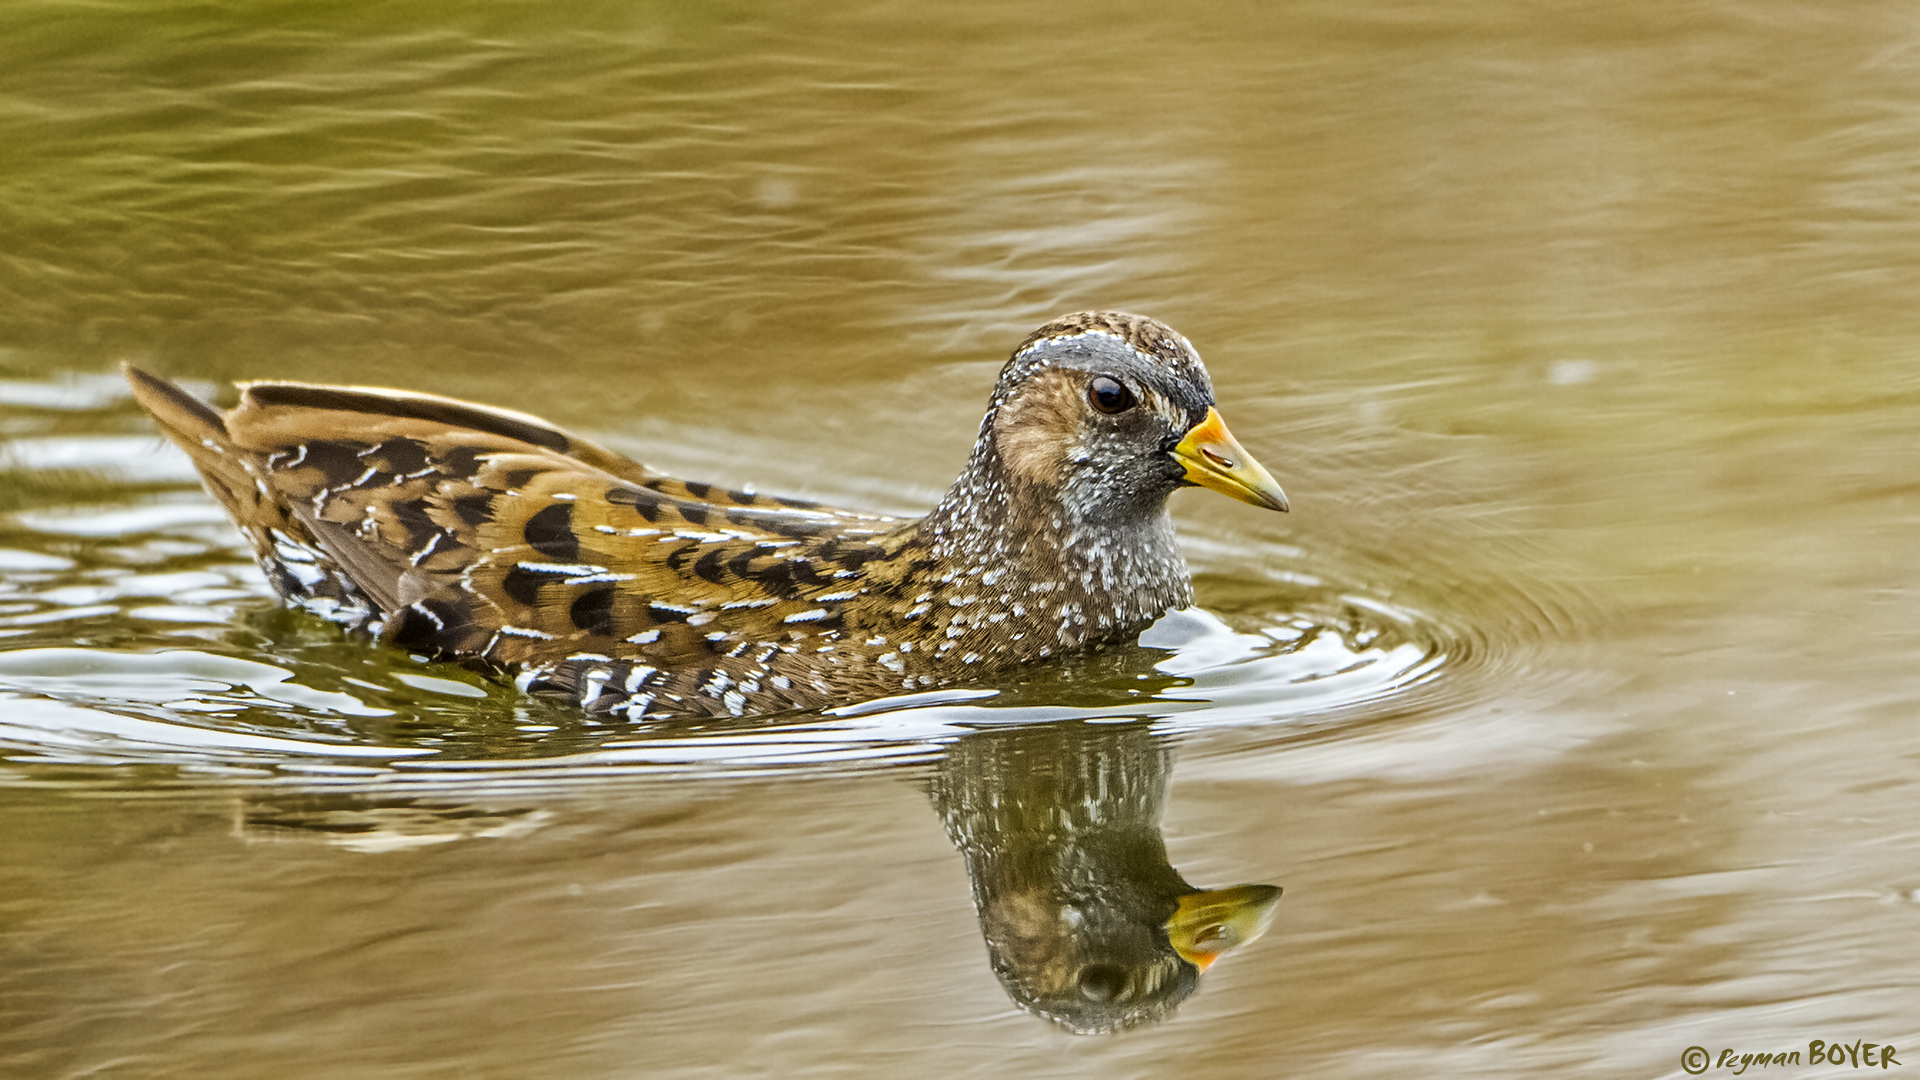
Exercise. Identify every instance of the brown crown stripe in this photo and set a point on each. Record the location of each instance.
(1149, 336)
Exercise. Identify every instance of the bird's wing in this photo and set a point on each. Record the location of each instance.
(489, 533)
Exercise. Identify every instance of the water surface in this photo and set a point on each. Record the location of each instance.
(1573, 706)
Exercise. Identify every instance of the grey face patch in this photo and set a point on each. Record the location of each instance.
(1111, 467)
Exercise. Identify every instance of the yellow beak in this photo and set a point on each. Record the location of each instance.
(1208, 925)
(1213, 459)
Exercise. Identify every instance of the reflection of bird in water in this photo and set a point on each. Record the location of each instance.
(372, 823)
(478, 533)
(1085, 921)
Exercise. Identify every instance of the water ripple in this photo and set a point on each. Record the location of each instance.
(137, 631)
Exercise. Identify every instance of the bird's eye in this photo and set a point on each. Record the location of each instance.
(1109, 394)
(1103, 983)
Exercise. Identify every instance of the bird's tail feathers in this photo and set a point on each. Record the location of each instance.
(199, 430)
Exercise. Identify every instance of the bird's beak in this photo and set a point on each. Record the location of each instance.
(1208, 925)
(1213, 459)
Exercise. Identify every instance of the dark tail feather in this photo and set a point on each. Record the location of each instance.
(185, 418)
(236, 476)
(200, 431)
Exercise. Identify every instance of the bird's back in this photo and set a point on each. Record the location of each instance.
(460, 530)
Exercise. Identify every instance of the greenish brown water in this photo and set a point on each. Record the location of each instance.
(1574, 705)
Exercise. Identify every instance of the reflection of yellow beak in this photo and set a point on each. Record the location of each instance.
(1209, 925)
(1214, 460)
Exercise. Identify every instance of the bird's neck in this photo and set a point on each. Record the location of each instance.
(1067, 576)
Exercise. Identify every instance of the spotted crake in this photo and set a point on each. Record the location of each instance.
(465, 531)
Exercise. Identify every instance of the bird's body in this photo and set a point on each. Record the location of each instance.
(463, 531)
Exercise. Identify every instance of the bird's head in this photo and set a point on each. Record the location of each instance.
(1114, 412)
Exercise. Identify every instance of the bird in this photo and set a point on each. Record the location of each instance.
(1086, 923)
(491, 537)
